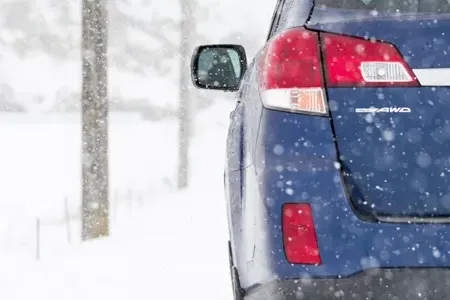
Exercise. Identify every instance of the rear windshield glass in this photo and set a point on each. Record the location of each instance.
(403, 6)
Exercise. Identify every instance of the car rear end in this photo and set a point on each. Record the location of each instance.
(354, 151)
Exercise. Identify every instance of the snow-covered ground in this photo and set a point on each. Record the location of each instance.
(164, 244)
(172, 245)
(174, 249)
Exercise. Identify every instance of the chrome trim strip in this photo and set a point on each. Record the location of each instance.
(414, 220)
(433, 77)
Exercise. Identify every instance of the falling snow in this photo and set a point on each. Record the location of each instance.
(352, 172)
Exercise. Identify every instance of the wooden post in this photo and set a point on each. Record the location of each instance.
(67, 218)
(184, 110)
(38, 239)
(95, 207)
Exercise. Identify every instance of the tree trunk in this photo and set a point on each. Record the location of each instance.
(187, 28)
(95, 208)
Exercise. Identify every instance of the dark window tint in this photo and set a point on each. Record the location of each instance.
(404, 6)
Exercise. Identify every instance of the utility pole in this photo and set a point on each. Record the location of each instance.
(187, 28)
(95, 207)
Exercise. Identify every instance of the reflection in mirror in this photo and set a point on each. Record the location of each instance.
(219, 67)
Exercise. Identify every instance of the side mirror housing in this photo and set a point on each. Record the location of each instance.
(218, 67)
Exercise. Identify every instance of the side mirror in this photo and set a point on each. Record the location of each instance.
(218, 67)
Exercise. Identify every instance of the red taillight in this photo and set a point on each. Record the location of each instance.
(292, 61)
(299, 235)
(290, 72)
(353, 62)
(291, 69)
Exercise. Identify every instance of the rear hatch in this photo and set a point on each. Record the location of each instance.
(393, 138)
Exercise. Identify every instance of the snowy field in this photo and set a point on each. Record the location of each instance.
(164, 244)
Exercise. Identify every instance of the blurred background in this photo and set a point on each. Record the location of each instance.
(164, 242)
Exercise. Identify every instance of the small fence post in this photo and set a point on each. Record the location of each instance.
(67, 219)
(141, 198)
(114, 205)
(38, 239)
(130, 200)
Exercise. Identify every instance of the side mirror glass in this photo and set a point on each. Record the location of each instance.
(218, 67)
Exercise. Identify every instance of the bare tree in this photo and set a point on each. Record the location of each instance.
(187, 29)
(95, 208)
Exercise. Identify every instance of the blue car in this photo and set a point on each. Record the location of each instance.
(337, 173)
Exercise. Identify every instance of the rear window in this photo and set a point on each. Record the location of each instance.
(403, 6)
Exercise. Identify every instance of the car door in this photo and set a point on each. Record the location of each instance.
(233, 172)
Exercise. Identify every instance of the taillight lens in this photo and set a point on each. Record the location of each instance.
(299, 234)
(290, 73)
(353, 62)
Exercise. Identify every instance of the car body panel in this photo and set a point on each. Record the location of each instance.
(397, 163)
(278, 157)
(306, 172)
(242, 135)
